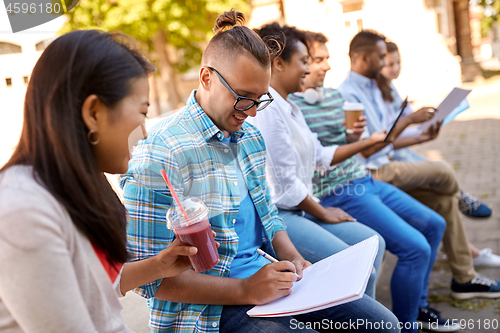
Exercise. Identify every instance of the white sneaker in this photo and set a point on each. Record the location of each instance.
(487, 258)
(441, 256)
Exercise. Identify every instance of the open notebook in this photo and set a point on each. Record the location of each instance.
(451, 104)
(335, 280)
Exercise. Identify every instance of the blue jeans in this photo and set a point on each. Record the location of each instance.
(317, 240)
(338, 318)
(411, 231)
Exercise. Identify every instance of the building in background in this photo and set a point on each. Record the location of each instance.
(433, 36)
(18, 55)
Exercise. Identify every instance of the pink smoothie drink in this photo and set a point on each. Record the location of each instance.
(195, 232)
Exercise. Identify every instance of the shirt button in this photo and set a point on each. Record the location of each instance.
(235, 183)
(214, 324)
(218, 135)
(234, 221)
(226, 150)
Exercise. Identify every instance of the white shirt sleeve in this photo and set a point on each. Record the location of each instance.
(287, 190)
(117, 284)
(324, 155)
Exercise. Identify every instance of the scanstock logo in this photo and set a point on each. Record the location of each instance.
(25, 14)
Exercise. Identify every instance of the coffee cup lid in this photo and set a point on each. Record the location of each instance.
(195, 210)
(352, 106)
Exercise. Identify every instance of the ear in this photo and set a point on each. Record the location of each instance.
(364, 57)
(279, 64)
(205, 77)
(93, 111)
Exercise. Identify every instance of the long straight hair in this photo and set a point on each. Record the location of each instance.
(54, 137)
(383, 84)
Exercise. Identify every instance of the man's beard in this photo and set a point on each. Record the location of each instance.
(374, 74)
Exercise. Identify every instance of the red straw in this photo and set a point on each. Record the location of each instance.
(176, 198)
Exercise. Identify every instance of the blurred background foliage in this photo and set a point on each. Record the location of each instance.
(491, 8)
(173, 32)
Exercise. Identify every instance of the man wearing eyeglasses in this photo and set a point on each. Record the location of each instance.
(208, 151)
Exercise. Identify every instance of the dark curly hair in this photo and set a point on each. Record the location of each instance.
(283, 39)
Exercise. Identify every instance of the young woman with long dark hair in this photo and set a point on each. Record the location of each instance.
(63, 228)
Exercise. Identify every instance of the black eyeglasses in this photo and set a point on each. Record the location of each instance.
(244, 103)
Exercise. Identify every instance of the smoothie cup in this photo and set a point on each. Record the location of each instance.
(196, 232)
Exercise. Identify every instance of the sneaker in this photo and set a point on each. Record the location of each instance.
(431, 320)
(471, 207)
(487, 258)
(441, 256)
(480, 286)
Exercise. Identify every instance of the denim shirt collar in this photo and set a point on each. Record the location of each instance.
(361, 80)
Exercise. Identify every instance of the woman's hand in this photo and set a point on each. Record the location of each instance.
(431, 133)
(422, 115)
(170, 262)
(174, 259)
(378, 137)
(336, 215)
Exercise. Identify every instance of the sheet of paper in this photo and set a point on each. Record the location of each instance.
(446, 107)
(335, 280)
(464, 105)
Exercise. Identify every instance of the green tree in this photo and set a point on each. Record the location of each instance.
(174, 32)
(491, 9)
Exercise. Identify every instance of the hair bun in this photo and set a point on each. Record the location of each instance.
(228, 20)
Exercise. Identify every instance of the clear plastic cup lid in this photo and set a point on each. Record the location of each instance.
(195, 210)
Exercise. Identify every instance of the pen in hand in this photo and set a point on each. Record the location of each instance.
(270, 258)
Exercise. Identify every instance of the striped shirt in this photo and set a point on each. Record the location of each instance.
(189, 146)
(325, 118)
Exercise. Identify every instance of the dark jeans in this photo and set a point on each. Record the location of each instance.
(338, 318)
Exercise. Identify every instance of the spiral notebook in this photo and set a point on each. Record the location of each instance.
(338, 279)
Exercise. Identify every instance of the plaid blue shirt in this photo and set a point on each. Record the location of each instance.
(199, 164)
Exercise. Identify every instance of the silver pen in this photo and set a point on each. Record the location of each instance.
(270, 258)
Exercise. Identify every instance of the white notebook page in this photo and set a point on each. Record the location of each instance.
(454, 98)
(337, 279)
